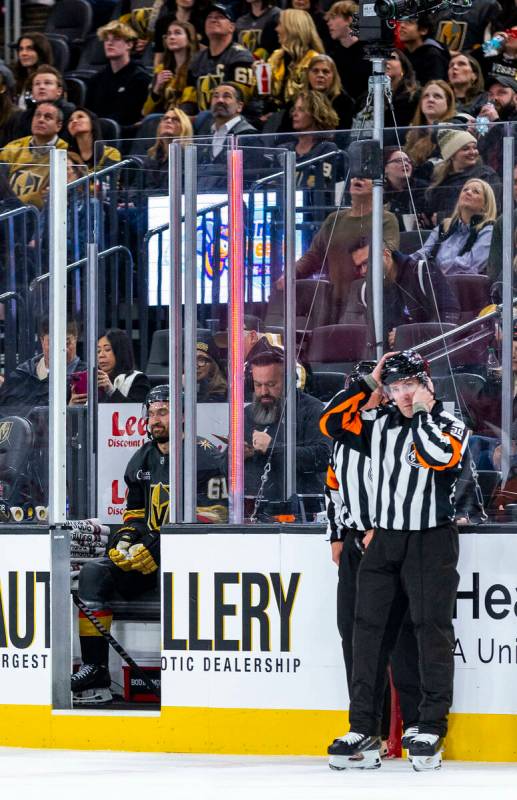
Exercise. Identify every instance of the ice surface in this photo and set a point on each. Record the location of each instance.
(56, 774)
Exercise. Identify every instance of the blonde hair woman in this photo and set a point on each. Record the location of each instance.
(174, 124)
(299, 43)
(437, 104)
(461, 243)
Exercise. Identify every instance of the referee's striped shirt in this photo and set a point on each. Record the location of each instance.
(348, 492)
(415, 462)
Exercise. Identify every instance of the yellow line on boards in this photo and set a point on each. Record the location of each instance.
(247, 731)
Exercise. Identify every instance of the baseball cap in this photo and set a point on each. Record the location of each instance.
(504, 80)
(225, 10)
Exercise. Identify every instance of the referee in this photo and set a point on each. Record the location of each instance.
(416, 450)
(350, 513)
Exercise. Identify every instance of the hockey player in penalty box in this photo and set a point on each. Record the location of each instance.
(349, 501)
(416, 449)
(133, 552)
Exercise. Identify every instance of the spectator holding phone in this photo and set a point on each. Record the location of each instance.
(118, 380)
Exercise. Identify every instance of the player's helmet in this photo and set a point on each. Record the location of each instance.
(361, 369)
(156, 394)
(403, 366)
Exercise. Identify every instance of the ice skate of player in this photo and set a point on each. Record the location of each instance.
(425, 752)
(91, 685)
(355, 751)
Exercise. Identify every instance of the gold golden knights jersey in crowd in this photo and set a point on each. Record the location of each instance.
(147, 480)
(28, 169)
(287, 81)
(206, 72)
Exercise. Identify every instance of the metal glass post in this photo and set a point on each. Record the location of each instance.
(290, 324)
(507, 313)
(378, 80)
(91, 363)
(236, 338)
(175, 335)
(190, 422)
(57, 329)
(60, 545)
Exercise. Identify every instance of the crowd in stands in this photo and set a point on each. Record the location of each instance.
(291, 76)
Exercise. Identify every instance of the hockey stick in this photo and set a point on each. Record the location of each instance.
(88, 613)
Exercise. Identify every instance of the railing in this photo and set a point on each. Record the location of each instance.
(19, 331)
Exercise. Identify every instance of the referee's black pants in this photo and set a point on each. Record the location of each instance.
(399, 570)
(404, 659)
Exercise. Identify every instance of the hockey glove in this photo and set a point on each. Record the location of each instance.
(142, 560)
(120, 554)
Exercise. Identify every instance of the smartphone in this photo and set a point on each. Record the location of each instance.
(80, 382)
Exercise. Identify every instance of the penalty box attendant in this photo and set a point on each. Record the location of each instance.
(416, 450)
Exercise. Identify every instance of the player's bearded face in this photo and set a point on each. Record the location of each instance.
(158, 421)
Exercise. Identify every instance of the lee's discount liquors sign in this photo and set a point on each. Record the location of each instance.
(247, 622)
(121, 431)
(25, 669)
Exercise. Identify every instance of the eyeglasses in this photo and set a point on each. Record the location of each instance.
(202, 362)
(405, 161)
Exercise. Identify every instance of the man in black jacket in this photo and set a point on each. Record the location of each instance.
(118, 91)
(27, 386)
(264, 432)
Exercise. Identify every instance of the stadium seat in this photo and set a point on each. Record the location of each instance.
(473, 293)
(71, 19)
(324, 385)
(60, 52)
(468, 386)
(312, 305)
(337, 347)
(146, 135)
(91, 58)
(158, 361)
(76, 91)
(110, 129)
(463, 350)
(410, 241)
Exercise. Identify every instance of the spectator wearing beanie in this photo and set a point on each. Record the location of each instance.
(212, 385)
(461, 161)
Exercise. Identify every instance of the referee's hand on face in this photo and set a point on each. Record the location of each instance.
(425, 394)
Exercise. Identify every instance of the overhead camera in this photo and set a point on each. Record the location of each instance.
(373, 24)
(404, 9)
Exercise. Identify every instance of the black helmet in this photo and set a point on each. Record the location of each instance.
(157, 393)
(361, 369)
(402, 366)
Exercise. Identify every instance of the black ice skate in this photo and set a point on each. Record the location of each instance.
(425, 751)
(355, 751)
(408, 736)
(90, 685)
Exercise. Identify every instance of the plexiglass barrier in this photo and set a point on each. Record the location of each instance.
(252, 265)
(443, 265)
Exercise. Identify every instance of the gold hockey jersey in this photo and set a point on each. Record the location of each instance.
(28, 169)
